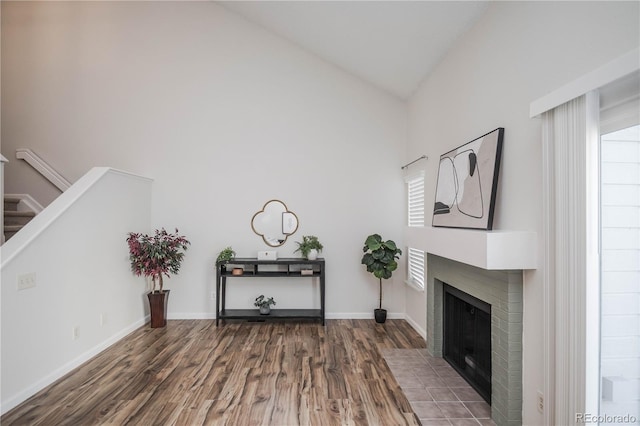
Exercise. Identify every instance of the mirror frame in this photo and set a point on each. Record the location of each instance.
(285, 213)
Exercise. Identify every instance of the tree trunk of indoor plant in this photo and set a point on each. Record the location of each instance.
(380, 314)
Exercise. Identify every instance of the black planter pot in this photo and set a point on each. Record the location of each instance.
(380, 315)
(158, 306)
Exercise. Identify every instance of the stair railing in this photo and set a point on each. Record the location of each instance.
(43, 168)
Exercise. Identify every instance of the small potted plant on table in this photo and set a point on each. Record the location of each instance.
(309, 247)
(380, 258)
(155, 256)
(264, 304)
(226, 255)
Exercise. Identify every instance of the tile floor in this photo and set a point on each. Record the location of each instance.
(437, 393)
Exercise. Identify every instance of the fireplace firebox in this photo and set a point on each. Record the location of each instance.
(467, 338)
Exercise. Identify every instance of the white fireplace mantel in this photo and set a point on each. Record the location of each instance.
(492, 250)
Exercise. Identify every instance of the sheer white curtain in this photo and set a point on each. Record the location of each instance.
(570, 179)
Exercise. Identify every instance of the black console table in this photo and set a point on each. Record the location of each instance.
(254, 268)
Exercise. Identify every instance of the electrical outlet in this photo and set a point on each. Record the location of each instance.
(76, 332)
(103, 319)
(540, 402)
(213, 295)
(26, 281)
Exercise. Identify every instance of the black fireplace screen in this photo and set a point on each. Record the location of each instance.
(467, 338)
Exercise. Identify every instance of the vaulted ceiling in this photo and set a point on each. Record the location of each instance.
(391, 44)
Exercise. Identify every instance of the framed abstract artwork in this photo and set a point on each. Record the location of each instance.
(467, 182)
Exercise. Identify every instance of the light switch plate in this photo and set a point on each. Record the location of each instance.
(267, 255)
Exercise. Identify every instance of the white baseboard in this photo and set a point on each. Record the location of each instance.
(421, 331)
(22, 396)
(361, 315)
(333, 315)
(191, 315)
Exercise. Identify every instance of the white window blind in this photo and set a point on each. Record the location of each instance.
(416, 267)
(415, 200)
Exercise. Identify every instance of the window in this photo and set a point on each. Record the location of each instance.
(415, 200)
(416, 268)
(619, 292)
(620, 271)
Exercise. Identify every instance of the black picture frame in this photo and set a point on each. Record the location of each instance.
(467, 183)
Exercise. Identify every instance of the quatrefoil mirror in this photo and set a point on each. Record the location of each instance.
(274, 223)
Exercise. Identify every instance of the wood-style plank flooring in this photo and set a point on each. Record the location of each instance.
(274, 373)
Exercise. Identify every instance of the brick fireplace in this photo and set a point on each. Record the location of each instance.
(502, 289)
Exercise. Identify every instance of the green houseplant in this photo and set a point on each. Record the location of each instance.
(309, 247)
(380, 259)
(264, 304)
(226, 255)
(154, 256)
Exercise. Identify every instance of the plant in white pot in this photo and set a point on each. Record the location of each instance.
(154, 256)
(309, 247)
(264, 304)
(380, 258)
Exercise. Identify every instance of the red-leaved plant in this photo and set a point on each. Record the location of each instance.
(154, 256)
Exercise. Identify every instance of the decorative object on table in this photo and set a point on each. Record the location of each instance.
(264, 304)
(155, 256)
(467, 183)
(267, 255)
(309, 247)
(237, 271)
(380, 259)
(226, 255)
(274, 223)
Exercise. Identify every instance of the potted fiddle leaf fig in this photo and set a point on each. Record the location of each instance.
(309, 247)
(154, 256)
(380, 259)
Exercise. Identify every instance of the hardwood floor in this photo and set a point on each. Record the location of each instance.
(194, 373)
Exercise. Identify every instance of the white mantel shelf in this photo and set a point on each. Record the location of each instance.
(491, 250)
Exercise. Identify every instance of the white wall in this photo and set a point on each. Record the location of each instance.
(82, 280)
(224, 116)
(516, 53)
